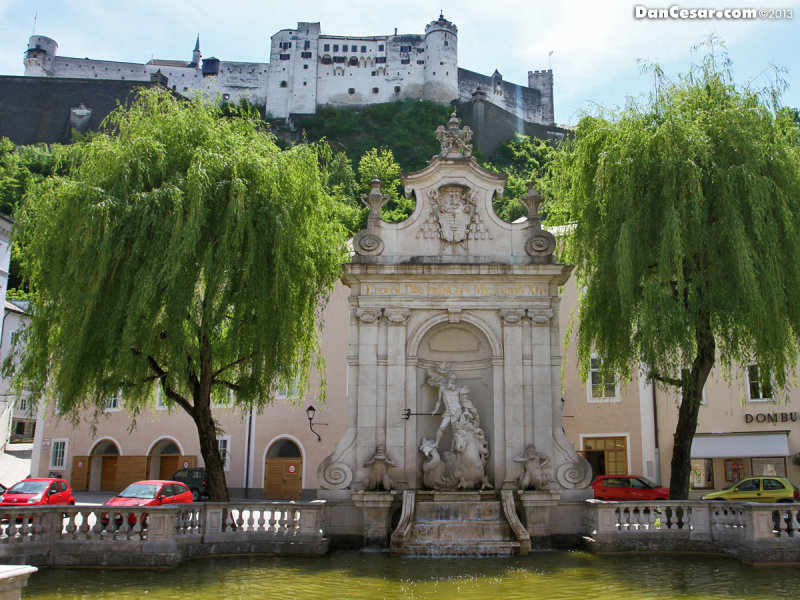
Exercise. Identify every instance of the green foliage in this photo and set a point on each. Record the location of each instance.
(523, 159)
(381, 164)
(186, 250)
(406, 128)
(339, 180)
(688, 234)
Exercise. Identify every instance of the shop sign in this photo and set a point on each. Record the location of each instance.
(782, 417)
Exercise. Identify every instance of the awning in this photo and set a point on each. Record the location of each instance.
(728, 445)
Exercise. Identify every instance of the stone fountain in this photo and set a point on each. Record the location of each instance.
(454, 442)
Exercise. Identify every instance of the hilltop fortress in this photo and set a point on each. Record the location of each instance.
(307, 69)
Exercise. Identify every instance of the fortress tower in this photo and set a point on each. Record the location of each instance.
(40, 56)
(441, 61)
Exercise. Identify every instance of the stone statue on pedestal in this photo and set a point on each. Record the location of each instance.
(463, 466)
(535, 466)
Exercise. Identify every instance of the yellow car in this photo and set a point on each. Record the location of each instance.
(758, 489)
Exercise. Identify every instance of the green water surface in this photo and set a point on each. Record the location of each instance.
(357, 575)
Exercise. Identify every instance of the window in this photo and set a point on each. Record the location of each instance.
(58, 454)
(326, 60)
(351, 91)
(405, 61)
(420, 50)
(224, 445)
(336, 47)
(770, 466)
(22, 404)
(702, 475)
(354, 48)
(284, 84)
(306, 45)
(734, 469)
(380, 60)
(222, 399)
(420, 62)
(446, 43)
(326, 48)
(601, 388)
(305, 54)
(380, 47)
(363, 49)
(285, 45)
(405, 49)
(759, 385)
(284, 57)
(397, 89)
(339, 59)
(374, 90)
(114, 403)
(354, 61)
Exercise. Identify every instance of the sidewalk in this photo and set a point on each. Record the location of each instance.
(15, 463)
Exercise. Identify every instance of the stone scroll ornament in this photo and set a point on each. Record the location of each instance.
(463, 466)
(541, 242)
(367, 241)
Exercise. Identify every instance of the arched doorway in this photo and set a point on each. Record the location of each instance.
(164, 460)
(283, 471)
(103, 466)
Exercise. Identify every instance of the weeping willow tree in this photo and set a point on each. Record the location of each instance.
(687, 237)
(184, 252)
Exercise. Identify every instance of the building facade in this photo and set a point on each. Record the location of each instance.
(307, 69)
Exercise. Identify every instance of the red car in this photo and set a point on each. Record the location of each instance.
(154, 492)
(38, 491)
(627, 487)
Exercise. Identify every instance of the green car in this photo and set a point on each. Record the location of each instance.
(758, 489)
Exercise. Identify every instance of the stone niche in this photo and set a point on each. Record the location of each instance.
(453, 311)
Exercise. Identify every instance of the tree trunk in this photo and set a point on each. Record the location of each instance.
(209, 448)
(693, 381)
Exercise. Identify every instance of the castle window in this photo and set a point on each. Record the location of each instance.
(374, 73)
(353, 61)
(363, 49)
(326, 48)
(380, 60)
(420, 62)
(420, 50)
(446, 43)
(380, 47)
(305, 66)
(305, 83)
(284, 57)
(285, 45)
(284, 84)
(305, 54)
(326, 60)
(306, 44)
(397, 89)
(336, 47)
(405, 61)
(405, 49)
(374, 90)
(353, 48)
(351, 91)
(339, 59)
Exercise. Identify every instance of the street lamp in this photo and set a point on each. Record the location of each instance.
(310, 412)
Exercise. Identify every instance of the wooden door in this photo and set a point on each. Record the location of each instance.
(80, 473)
(129, 470)
(610, 454)
(169, 464)
(283, 478)
(108, 474)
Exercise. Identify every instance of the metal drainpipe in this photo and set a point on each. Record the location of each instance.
(655, 432)
(247, 455)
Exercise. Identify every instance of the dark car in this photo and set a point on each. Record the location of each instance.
(627, 487)
(195, 480)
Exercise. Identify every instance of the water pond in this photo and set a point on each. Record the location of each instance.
(361, 575)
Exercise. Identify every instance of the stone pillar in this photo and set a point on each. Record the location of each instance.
(536, 506)
(369, 319)
(376, 509)
(397, 383)
(541, 317)
(514, 417)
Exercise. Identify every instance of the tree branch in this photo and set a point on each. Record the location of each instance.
(227, 384)
(229, 365)
(678, 383)
(171, 394)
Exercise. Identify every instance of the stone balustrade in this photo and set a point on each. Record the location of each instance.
(752, 532)
(158, 536)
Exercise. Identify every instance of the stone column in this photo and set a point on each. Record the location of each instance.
(396, 387)
(514, 417)
(541, 316)
(367, 393)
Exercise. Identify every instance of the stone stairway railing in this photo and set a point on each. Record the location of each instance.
(157, 536)
(752, 532)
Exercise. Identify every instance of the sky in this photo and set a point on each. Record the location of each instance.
(598, 46)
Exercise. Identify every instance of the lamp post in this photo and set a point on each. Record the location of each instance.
(310, 413)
